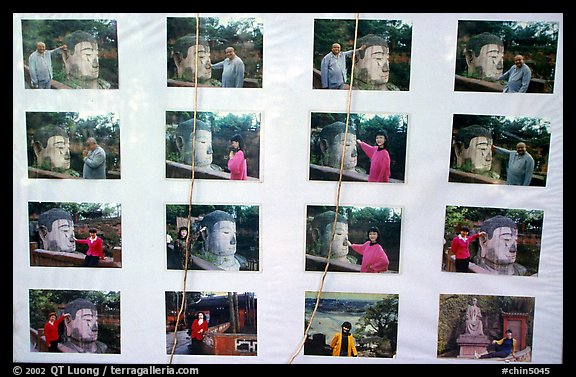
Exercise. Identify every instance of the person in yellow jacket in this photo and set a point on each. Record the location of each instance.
(343, 342)
(504, 347)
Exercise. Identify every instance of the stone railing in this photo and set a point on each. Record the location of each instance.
(41, 257)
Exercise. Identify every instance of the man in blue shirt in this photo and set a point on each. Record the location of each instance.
(518, 76)
(233, 69)
(520, 165)
(40, 65)
(333, 67)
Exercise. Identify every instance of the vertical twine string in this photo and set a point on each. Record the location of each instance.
(337, 201)
(183, 303)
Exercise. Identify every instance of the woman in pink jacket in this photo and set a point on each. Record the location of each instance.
(379, 158)
(374, 258)
(236, 159)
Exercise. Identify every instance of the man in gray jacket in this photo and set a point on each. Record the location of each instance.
(40, 65)
(94, 160)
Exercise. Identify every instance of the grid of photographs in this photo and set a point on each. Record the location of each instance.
(246, 222)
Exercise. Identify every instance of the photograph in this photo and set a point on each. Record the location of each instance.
(506, 56)
(211, 323)
(73, 145)
(495, 241)
(375, 149)
(70, 54)
(70, 321)
(382, 57)
(496, 149)
(213, 237)
(226, 145)
(227, 52)
(351, 324)
(75, 234)
(365, 239)
(489, 328)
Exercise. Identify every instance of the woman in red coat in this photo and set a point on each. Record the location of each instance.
(51, 331)
(95, 251)
(199, 328)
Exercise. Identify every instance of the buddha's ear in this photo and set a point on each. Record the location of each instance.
(179, 143)
(66, 60)
(483, 246)
(177, 57)
(469, 55)
(38, 148)
(323, 145)
(43, 234)
(315, 234)
(458, 148)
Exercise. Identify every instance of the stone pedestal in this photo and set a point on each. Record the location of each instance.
(472, 343)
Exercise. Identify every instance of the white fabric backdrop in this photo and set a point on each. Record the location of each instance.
(286, 100)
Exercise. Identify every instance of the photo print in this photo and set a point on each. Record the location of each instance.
(230, 52)
(489, 328)
(493, 241)
(75, 234)
(383, 54)
(70, 54)
(506, 56)
(227, 145)
(366, 239)
(218, 238)
(72, 321)
(211, 323)
(375, 149)
(351, 324)
(73, 145)
(502, 150)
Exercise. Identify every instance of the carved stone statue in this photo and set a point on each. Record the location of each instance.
(203, 146)
(473, 149)
(332, 145)
(473, 339)
(321, 230)
(184, 56)
(485, 56)
(474, 319)
(82, 327)
(220, 239)
(498, 250)
(51, 146)
(372, 69)
(81, 62)
(56, 230)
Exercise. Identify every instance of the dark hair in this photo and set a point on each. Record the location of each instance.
(92, 230)
(373, 229)
(510, 331)
(240, 140)
(198, 315)
(347, 324)
(464, 228)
